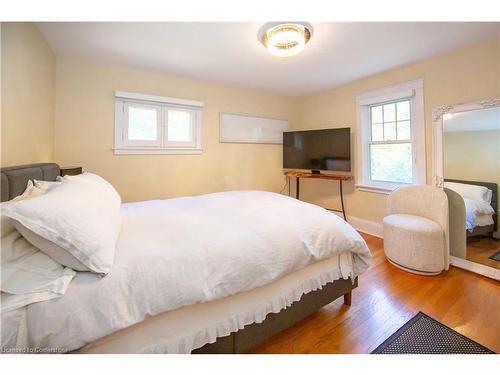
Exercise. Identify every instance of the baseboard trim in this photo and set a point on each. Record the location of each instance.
(366, 226)
(475, 267)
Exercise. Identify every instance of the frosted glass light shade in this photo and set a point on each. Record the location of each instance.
(287, 39)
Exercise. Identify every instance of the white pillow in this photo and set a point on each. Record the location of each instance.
(475, 192)
(57, 253)
(48, 185)
(33, 189)
(107, 188)
(82, 216)
(476, 207)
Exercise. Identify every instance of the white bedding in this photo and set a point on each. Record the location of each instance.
(27, 274)
(180, 252)
(190, 327)
(477, 199)
(477, 214)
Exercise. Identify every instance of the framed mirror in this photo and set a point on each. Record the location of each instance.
(466, 163)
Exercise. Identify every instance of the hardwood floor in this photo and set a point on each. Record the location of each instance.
(388, 297)
(480, 252)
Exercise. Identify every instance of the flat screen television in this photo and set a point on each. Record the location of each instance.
(318, 150)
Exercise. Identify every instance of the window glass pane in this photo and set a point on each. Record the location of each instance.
(404, 131)
(403, 110)
(376, 116)
(390, 112)
(180, 127)
(391, 162)
(389, 131)
(378, 132)
(142, 124)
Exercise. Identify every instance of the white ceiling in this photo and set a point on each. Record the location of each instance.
(479, 120)
(230, 53)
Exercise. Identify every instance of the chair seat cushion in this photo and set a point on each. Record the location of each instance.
(414, 243)
(412, 223)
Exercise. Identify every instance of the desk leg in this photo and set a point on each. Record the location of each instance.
(342, 200)
(297, 188)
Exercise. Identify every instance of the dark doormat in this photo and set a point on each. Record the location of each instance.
(424, 335)
(496, 256)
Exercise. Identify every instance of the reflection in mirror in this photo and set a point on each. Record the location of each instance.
(471, 163)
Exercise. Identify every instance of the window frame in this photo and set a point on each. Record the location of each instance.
(124, 146)
(412, 91)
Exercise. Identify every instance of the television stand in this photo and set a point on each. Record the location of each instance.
(336, 177)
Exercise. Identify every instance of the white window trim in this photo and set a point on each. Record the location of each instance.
(414, 90)
(123, 147)
(158, 99)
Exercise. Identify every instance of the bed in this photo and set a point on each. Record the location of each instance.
(91, 318)
(482, 224)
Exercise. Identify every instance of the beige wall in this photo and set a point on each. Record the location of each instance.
(472, 155)
(465, 75)
(84, 133)
(28, 95)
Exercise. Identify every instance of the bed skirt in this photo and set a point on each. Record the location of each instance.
(192, 327)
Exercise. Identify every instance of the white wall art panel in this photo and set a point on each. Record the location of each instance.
(236, 128)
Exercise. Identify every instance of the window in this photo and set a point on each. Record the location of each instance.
(142, 124)
(146, 124)
(390, 151)
(391, 144)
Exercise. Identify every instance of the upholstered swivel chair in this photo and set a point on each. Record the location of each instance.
(416, 229)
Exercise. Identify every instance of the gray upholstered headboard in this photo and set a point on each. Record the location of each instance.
(14, 179)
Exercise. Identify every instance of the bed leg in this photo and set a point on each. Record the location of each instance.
(348, 298)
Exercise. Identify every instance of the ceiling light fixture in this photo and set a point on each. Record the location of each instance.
(285, 39)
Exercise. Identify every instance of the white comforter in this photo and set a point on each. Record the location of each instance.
(178, 252)
(477, 213)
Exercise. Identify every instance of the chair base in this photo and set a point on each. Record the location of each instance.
(411, 270)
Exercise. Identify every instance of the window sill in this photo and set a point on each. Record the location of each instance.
(157, 151)
(377, 189)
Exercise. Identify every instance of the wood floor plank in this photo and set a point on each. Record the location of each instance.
(386, 298)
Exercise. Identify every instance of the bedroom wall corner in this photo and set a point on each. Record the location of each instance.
(27, 95)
